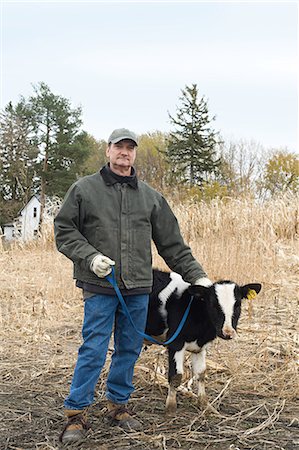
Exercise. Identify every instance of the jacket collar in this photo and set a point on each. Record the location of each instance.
(111, 178)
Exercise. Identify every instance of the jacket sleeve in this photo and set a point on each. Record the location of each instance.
(170, 244)
(68, 225)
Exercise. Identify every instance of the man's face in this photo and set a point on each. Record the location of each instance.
(122, 154)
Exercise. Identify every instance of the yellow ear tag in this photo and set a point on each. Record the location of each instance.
(251, 294)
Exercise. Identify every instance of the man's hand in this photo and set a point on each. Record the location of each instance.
(101, 265)
(205, 282)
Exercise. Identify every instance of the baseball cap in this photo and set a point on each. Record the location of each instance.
(122, 133)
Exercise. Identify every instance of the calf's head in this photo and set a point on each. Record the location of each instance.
(223, 302)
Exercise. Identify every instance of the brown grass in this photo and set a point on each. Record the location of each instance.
(253, 381)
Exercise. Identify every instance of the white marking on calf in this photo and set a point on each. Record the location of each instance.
(179, 360)
(199, 368)
(176, 282)
(226, 299)
(199, 361)
(192, 347)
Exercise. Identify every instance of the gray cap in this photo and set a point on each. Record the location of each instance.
(120, 134)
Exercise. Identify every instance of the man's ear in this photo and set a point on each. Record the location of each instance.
(200, 291)
(251, 290)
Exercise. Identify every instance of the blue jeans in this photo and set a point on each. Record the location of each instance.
(100, 313)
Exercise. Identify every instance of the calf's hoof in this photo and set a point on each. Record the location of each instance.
(170, 409)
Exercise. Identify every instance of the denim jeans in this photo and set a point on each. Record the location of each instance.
(100, 313)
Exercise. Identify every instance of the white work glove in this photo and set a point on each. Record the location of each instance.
(101, 265)
(205, 282)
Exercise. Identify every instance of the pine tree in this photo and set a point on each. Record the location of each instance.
(57, 130)
(18, 159)
(192, 146)
(42, 149)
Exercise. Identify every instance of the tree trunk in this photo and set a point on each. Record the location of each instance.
(43, 177)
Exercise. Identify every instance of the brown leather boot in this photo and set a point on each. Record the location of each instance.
(76, 427)
(120, 415)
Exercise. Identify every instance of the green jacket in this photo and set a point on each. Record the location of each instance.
(120, 222)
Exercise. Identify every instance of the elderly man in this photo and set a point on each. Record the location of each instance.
(107, 220)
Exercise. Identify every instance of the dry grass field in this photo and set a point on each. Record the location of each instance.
(252, 381)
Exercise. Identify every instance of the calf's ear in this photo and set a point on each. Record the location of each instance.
(251, 290)
(201, 291)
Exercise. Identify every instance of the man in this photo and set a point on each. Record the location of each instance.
(107, 220)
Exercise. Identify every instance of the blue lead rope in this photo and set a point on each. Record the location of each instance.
(112, 280)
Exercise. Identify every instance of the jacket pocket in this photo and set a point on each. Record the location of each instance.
(106, 241)
(141, 254)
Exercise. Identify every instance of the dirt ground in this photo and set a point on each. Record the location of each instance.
(252, 381)
(31, 399)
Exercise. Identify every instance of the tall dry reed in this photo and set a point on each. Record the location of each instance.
(256, 376)
(241, 239)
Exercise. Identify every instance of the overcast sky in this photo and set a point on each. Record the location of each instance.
(125, 63)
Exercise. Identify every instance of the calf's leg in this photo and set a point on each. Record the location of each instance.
(175, 372)
(199, 368)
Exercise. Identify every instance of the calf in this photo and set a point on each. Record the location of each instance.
(215, 311)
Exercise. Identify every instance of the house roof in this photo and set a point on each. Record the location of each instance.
(36, 196)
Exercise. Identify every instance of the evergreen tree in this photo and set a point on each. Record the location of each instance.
(57, 131)
(192, 146)
(18, 159)
(42, 149)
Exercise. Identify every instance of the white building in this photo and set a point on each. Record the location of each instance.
(8, 231)
(25, 226)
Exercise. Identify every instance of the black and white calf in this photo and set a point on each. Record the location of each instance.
(215, 311)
